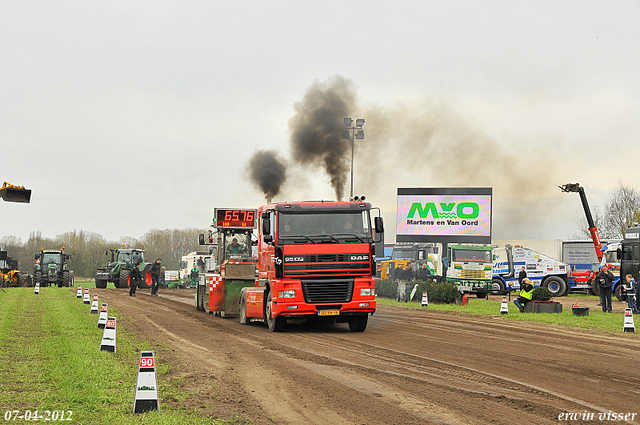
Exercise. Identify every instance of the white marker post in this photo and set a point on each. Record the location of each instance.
(79, 293)
(94, 305)
(102, 319)
(504, 307)
(628, 325)
(109, 336)
(425, 299)
(87, 299)
(36, 290)
(146, 397)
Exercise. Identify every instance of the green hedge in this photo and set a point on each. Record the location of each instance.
(444, 293)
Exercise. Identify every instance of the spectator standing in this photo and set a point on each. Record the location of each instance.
(408, 274)
(605, 278)
(424, 272)
(522, 275)
(162, 277)
(135, 279)
(194, 276)
(155, 276)
(630, 289)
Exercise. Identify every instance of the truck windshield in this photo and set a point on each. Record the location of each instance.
(474, 255)
(404, 254)
(336, 226)
(137, 255)
(124, 257)
(51, 258)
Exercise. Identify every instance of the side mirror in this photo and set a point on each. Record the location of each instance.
(106, 252)
(379, 224)
(201, 238)
(268, 238)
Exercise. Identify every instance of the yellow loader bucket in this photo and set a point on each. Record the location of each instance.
(11, 193)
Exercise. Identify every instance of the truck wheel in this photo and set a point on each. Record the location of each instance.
(497, 287)
(65, 278)
(275, 324)
(619, 295)
(199, 298)
(243, 311)
(358, 323)
(101, 283)
(556, 286)
(37, 278)
(124, 279)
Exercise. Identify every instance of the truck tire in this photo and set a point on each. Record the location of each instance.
(37, 278)
(66, 279)
(497, 287)
(358, 323)
(619, 294)
(199, 298)
(100, 283)
(25, 279)
(556, 286)
(123, 282)
(243, 311)
(275, 324)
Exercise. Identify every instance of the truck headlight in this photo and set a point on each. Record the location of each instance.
(286, 294)
(366, 292)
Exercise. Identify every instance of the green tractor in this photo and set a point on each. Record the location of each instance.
(118, 269)
(51, 268)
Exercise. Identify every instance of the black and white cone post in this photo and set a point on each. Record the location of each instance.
(146, 397)
(628, 326)
(79, 293)
(109, 336)
(87, 298)
(36, 289)
(102, 319)
(425, 299)
(504, 306)
(94, 305)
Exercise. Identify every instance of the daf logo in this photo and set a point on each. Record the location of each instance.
(293, 259)
(359, 258)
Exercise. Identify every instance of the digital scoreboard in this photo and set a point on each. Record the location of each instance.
(228, 218)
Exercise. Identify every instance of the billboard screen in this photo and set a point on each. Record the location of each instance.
(452, 214)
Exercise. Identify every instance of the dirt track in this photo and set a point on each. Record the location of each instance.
(409, 366)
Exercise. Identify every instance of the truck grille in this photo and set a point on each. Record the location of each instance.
(327, 265)
(327, 290)
(471, 274)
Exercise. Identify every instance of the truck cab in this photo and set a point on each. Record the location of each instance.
(316, 259)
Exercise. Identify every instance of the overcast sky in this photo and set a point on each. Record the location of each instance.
(128, 116)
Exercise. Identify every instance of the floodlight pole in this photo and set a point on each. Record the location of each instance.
(350, 133)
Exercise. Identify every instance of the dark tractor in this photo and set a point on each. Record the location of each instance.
(51, 268)
(118, 269)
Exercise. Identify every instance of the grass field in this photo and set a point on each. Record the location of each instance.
(50, 360)
(596, 320)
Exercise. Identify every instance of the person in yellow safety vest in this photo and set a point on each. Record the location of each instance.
(526, 293)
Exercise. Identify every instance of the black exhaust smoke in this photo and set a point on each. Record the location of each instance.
(267, 171)
(316, 129)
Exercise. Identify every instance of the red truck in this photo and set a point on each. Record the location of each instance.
(316, 259)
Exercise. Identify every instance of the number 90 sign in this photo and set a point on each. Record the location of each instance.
(146, 362)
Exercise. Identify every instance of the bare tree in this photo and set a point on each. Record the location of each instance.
(622, 209)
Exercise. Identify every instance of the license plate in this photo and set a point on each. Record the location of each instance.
(329, 313)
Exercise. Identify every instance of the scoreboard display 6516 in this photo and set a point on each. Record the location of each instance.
(235, 218)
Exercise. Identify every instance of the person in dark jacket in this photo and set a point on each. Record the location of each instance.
(424, 272)
(526, 294)
(522, 275)
(630, 290)
(605, 278)
(136, 277)
(155, 276)
(408, 274)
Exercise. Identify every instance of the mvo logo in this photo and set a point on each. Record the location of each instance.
(466, 210)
